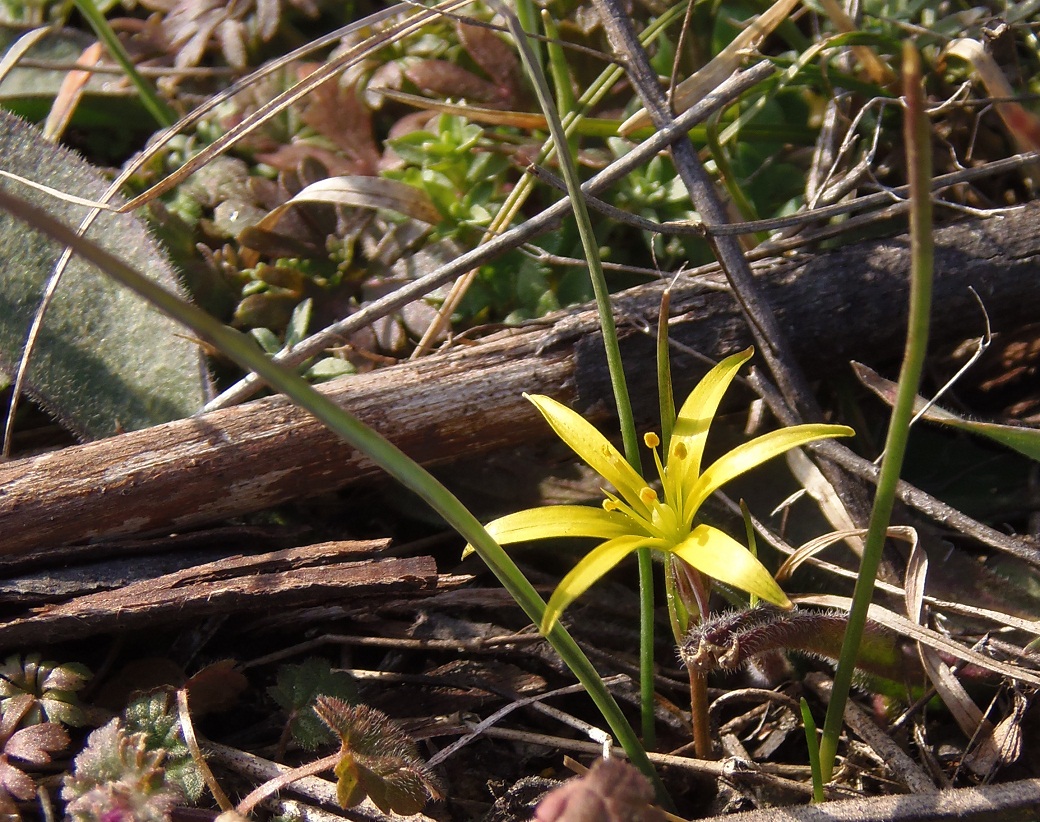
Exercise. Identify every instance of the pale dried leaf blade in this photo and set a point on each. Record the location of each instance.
(19, 49)
(815, 546)
(1002, 746)
(914, 582)
(362, 192)
(106, 360)
(473, 113)
(963, 710)
(1018, 438)
(818, 487)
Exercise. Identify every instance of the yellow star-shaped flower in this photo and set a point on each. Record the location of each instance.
(635, 517)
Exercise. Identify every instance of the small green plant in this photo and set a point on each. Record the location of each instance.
(297, 689)
(325, 368)
(376, 759)
(154, 717)
(117, 777)
(137, 767)
(452, 164)
(656, 193)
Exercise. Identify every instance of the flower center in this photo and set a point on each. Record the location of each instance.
(667, 515)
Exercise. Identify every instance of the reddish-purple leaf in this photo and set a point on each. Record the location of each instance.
(496, 57)
(448, 80)
(14, 782)
(34, 744)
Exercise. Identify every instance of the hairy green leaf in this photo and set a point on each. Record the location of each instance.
(153, 717)
(105, 360)
(298, 687)
(376, 759)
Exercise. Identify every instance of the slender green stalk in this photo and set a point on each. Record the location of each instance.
(588, 242)
(917, 135)
(678, 612)
(813, 745)
(245, 353)
(614, 365)
(574, 122)
(645, 563)
(163, 114)
(527, 13)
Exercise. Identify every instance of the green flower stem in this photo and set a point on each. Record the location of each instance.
(244, 352)
(605, 308)
(917, 135)
(163, 114)
(528, 15)
(680, 621)
(645, 563)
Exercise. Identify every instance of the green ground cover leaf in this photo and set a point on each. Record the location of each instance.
(106, 360)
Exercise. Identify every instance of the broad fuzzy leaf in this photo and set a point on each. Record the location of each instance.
(106, 360)
(376, 759)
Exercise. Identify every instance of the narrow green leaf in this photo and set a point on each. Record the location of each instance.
(1018, 438)
(917, 137)
(813, 744)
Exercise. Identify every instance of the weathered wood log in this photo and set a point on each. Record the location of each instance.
(835, 306)
(291, 577)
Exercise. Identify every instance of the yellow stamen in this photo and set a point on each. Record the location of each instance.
(648, 495)
(680, 452)
(651, 439)
(610, 505)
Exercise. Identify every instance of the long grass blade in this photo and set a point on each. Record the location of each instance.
(917, 135)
